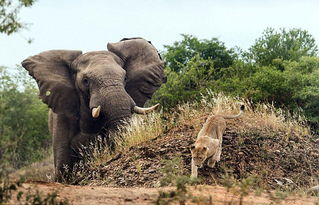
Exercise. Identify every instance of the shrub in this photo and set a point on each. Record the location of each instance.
(181, 52)
(284, 45)
(187, 85)
(23, 121)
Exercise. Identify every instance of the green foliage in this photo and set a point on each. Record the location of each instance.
(180, 53)
(242, 187)
(295, 88)
(172, 175)
(38, 199)
(303, 78)
(264, 84)
(180, 194)
(283, 45)
(8, 191)
(9, 9)
(197, 75)
(283, 70)
(23, 121)
(171, 169)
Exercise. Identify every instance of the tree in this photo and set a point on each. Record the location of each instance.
(283, 45)
(186, 86)
(181, 52)
(9, 9)
(303, 78)
(23, 120)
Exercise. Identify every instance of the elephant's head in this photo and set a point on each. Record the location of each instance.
(98, 88)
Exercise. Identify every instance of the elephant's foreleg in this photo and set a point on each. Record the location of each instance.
(64, 130)
(50, 122)
(63, 160)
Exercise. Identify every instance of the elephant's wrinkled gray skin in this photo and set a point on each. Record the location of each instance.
(94, 91)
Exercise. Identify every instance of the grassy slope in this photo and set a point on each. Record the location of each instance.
(273, 150)
(276, 150)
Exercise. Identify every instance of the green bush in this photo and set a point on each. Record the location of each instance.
(181, 52)
(289, 80)
(23, 120)
(284, 45)
(303, 77)
(188, 85)
(267, 84)
(295, 88)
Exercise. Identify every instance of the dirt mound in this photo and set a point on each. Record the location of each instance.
(141, 165)
(276, 161)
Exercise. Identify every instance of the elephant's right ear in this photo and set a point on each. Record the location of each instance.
(54, 76)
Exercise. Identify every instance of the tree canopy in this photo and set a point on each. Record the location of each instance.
(9, 10)
(281, 68)
(282, 45)
(23, 120)
(181, 52)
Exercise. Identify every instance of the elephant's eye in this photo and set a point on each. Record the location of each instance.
(85, 81)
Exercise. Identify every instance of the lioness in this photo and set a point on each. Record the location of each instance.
(208, 144)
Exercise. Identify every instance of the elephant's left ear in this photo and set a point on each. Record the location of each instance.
(55, 78)
(143, 65)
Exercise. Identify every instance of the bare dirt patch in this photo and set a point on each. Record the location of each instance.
(83, 195)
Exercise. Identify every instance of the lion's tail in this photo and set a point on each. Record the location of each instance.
(242, 109)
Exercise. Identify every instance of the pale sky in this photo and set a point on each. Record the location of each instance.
(89, 25)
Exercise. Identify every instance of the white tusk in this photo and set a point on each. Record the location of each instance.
(96, 112)
(143, 111)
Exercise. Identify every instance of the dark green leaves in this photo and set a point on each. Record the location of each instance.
(9, 10)
(283, 45)
(23, 120)
(181, 52)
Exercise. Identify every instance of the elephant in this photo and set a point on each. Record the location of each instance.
(91, 92)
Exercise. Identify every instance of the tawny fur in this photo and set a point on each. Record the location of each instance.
(208, 144)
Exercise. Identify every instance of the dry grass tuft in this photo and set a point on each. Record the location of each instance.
(38, 171)
(141, 128)
(258, 118)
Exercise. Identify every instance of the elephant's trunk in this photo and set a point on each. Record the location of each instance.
(112, 105)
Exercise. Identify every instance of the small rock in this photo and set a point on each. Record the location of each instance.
(279, 182)
(289, 181)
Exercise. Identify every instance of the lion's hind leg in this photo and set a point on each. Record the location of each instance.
(219, 152)
(220, 146)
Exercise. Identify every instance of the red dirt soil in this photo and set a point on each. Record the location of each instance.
(83, 195)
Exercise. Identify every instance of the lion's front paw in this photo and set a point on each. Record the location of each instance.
(218, 158)
(211, 163)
